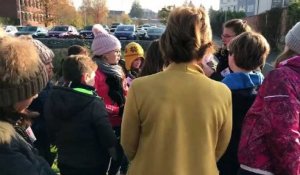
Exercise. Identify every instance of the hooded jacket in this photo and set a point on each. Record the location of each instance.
(78, 124)
(243, 88)
(270, 134)
(18, 157)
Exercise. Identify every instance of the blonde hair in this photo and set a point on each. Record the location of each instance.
(19, 60)
(2, 32)
(286, 54)
(187, 36)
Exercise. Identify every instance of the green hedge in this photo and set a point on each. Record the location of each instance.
(55, 43)
(60, 47)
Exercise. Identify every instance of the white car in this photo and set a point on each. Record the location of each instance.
(11, 30)
(141, 33)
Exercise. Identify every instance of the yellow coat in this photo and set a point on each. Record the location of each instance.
(176, 122)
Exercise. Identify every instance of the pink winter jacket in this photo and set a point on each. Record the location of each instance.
(270, 136)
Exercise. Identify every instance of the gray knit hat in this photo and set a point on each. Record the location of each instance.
(46, 54)
(292, 38)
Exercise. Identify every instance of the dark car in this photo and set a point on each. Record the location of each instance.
(154, 33)
(63, 32)
(86, 32)
(126, 32)
(34, 31)
(114, 26)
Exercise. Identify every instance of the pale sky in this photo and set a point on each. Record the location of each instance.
(154, 5)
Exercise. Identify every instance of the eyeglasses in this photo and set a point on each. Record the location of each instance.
(227, 36)
(117, 51)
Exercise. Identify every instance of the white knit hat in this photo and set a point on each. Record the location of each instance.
(98, 28)
(292, 38)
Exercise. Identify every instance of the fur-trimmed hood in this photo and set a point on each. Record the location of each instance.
(7, 132)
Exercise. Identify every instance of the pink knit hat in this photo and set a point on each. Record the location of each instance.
(104, 43)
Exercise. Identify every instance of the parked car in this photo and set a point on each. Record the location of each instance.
(114, 26)
(141, 33)
(126, 32)
(106, 27)
(11, 30)
(146, 26)
(20, 27)
(86, 32)
(34, 31)
(64, 31)
(154, 33)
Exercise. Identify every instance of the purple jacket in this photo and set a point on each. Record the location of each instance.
(270, 140)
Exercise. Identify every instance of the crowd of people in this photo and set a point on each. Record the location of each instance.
(182, 107)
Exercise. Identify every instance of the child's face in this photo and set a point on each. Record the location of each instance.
(137, 63)
(113, 57)
(227, 36)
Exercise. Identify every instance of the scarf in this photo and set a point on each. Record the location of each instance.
(106, 68)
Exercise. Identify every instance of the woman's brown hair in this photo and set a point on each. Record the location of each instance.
(238, 26)
(187, 36)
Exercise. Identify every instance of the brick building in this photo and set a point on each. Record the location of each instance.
(24, 12)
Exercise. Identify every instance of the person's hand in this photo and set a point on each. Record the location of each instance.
(208, 71)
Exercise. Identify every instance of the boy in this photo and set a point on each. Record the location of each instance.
(247, 52)
(78, 123)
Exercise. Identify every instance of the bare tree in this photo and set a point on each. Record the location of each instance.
(100, 10)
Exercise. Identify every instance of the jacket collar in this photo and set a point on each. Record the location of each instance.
(185, 67)
(293, 63)
(7, 132)
(241, 80)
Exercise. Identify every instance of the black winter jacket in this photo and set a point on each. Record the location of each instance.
(78, 124)
(17, 157)
(242, 100)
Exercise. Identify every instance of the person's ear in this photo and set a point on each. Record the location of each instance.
(84, 78)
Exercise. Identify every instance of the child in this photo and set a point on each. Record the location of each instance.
(77, 50)
(78, 122)
(110, 81)
(270, 136)
(134, 59)
(247, 52)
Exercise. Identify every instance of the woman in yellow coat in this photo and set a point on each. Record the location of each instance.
(178, 122)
